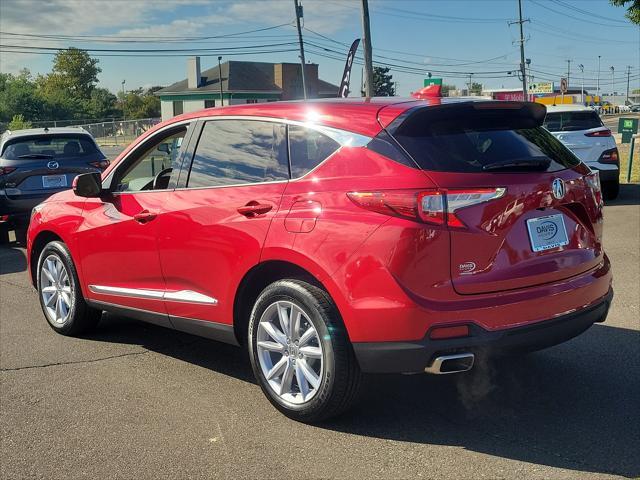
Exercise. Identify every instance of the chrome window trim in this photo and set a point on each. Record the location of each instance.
(343, 137)
(183, 296)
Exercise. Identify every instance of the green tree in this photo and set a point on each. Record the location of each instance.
(383, 85)
(18, 96)
(476, 88)
(18, 123)
(75, 70)
(102, 104)
(633, 10)
(141, 104)
(446, 89)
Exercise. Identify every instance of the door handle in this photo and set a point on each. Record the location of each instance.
(144, 216)
(253, 209)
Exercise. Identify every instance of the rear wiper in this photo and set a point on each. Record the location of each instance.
(524, 163)
(35, 155)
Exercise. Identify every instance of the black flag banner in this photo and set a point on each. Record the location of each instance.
(346, 76)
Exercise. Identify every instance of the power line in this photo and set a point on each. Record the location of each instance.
(565, 14)
(153, 50)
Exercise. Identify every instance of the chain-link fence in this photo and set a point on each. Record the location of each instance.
(109, 131)
(119, 132)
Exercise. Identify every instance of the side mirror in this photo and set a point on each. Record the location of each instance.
(87, 185)
(163, 147)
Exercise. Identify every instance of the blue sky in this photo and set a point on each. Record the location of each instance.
(450, 38)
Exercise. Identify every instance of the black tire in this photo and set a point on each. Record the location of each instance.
(4, 235)
(81, 318)
(610, 190)
(341, 377)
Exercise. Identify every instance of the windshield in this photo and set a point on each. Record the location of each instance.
(568, 121)
(51, 147)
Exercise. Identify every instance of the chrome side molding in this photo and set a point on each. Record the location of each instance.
(186, 296)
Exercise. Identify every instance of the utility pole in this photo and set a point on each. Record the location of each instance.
(123, 100)
(628, 74)
(523, 72)
(299, 15)
(599, 74)
(368, 60)
(568, 71)
(220, 80)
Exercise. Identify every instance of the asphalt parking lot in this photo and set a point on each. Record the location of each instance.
(138, 401)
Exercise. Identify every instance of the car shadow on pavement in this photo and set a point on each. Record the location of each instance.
(12, 259)
(220, 357)
(574, 406)
(629, 195)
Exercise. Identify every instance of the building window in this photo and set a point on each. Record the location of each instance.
(178, 107)
(252, 100)
(209, 103)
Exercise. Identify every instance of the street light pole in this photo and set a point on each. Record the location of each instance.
(628, 74)
(613, 83)
(598, 75)
(581, 67)
(220, 80)
(123, 114)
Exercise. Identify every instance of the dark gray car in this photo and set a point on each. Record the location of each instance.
(37, 163)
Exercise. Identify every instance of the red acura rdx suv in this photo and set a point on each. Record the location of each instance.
(335, 238)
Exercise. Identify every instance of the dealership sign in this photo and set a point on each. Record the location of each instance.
(540, 87)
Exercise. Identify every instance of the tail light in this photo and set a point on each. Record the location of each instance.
(6, 170)
(599, 133)
(436, 207)
(593, 180)
(101, 164)
(610, 156)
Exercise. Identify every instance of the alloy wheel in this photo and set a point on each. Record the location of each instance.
(56, 290)
(289, 352)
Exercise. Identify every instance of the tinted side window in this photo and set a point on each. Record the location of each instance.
(232, 152)
(308, 148)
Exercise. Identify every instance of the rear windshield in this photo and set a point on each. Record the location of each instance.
(568, 121)
(50, 146)
(463, 139)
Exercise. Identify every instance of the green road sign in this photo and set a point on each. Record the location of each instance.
(627, 127)
(432, 81)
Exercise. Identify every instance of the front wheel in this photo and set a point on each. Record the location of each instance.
(60, 295)
(300, 352)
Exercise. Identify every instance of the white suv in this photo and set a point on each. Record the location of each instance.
(582, 131)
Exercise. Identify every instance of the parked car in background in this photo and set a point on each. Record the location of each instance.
(582, 131)
(332, 238)
(37, 163)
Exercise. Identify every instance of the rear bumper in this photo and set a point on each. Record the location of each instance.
(19, 207)
(607, 172)
(411, 357)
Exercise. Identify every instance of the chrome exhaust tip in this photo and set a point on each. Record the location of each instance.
(456, 363)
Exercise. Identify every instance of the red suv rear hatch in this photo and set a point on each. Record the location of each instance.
(521, 208)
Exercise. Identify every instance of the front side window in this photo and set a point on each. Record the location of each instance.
(308, 148)
(235, 152)
(152, 169)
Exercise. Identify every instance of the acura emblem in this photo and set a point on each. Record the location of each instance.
(53, 165)
(557, 188)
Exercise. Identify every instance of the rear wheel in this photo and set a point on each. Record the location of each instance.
(60, 295)
(610, 190)
(300, 352)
